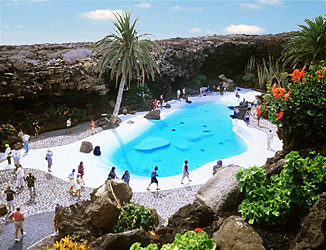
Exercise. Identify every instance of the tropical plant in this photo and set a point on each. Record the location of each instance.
(67, 244)
(5, 131)
(135, 216)
(250, 66)
(248, 77)
(191, 240)
(308, 45)
(293, 192)
(299, 110)
(138, 93)
(125, 52)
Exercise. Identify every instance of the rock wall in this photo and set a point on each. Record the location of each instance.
(33, 76)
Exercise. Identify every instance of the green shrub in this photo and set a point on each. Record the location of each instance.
(135, 216)
(300, 108)
(50, 109)
(232, 87)
(195, 83)
(189, 241)
(5, 131)
(293, 192)
(63, 111)
(29, 119)
(248, 77)
(67, 244)
(138, 93)
(76, 113)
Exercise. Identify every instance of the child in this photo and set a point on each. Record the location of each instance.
(78, 182)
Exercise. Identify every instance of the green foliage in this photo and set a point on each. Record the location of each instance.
(232, 87)
(303, 105)
(202, 78)
(250, 66)
(29, 119)
(50, 109)
(135, 216)
(307, 45)
(5, 131)
(138, 93)
(248, 77)
(195, 83)
(293, 192)
(75, 113)
(267, 71)
(189, 241)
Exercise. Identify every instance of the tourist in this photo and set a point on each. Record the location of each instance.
(269, 139)
(237, 95)
(16, 158)
(81, 171)
(30, 179)
(56, 210)
(10, 194)
(258, 114)
(153, 178)
(36, 127)
(183, 93)
(68, 126)
(8, 154)
(178, 94)
(48, 157)
(18, 217)
(20, 134)
(217, 167)
(200, 91)
(208, 90)
(25, 138)
(161, 100)
(185, 171)
(77, 186)
(71, 178)
(20, 176)
(126, 177)
(247, 117)
(155, 104)
(112, 174)
(93, 126)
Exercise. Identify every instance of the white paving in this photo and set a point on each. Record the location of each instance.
(67, 157)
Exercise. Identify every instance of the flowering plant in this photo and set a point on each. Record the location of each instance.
(299, 109)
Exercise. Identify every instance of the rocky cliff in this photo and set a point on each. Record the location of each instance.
(34, 76)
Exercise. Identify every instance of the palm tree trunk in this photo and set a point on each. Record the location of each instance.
(116, 109)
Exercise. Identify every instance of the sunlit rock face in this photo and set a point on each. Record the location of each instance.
(33, 76)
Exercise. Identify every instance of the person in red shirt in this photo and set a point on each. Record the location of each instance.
(93, 126)
(258, 114)
(155, 103)
(18, 217)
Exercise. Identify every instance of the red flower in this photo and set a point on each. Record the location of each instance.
(286, 96)
(319, 74)
(279, 115)
(277, 92)
(297, 74)
(198, 230)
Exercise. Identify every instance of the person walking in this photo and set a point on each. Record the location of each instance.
(77, 186)
(18, 217)
(247, 117)
(153, 178)
(81, 171)
(20, 176)
(16, 159)
(71, 178)
(49, 157)
(10, 194)
(185, 171)
(178, 94)
(30, 179)
(112, 174)
(8, 154)
(258, 114)
(25, 138)
(126, 177)
(183, 93)
(155, 104)
(68, 126)
(36, 127)
(56, 210)
(269, 139)
(93, 126)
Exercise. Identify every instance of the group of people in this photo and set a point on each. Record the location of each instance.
(125, 177)
(156, 102)
(75, 185)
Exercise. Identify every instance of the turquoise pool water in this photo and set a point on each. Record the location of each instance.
(198, 132)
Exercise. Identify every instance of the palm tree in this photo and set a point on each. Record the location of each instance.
(307, 45)
(125, 52)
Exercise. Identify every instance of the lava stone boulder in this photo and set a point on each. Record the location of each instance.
(86, 147)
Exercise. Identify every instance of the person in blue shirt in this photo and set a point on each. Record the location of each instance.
(153, 178)
(49, 155)
(126, 177)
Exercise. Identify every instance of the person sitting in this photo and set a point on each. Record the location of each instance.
(112, 174)
(217, 167)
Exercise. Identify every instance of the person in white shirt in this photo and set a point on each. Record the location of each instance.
(25, 140)
(269, 139)
(20, 176)
(68, 126)
(8, 154)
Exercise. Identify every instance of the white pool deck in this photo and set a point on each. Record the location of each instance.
(67, 157)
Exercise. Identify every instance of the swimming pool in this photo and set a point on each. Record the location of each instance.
(199, 132)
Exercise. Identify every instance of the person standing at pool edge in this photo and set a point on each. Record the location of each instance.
(185, 171)
(153, 178)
